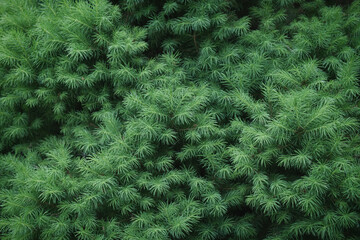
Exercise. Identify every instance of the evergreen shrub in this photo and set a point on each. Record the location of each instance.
(179, 119)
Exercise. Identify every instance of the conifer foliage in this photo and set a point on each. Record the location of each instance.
(179, 119)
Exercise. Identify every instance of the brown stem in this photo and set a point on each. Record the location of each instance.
(196, 45)
(190, 128)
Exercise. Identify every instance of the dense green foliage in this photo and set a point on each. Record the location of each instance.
(179, 119)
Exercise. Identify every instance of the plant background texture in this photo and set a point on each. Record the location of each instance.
(179, 119)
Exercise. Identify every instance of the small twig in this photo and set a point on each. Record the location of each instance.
(196, 45)
(190, 128)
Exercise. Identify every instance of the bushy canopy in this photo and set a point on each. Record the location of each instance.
(179, 119)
